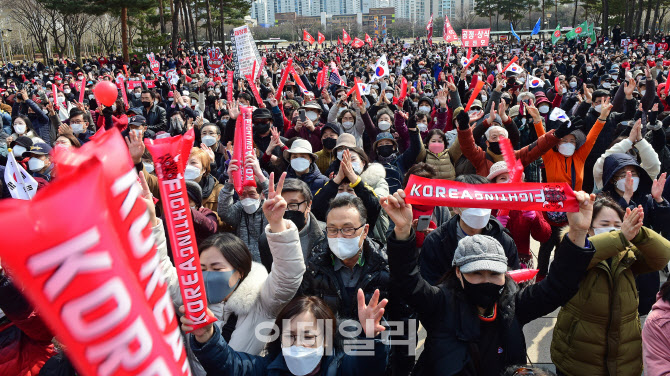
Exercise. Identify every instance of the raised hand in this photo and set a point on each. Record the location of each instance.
(233, 109)
(275, 205)
(587, 94)
(636, 132)
(533, 111)
(629, 87)
(371, 314)
(135, 146)
(580, 222)
(632, 222)
(203, 334)
(64, 129)
(657, 188)
(209, 151)
(606, 108)
(399, 212)
(347, 167)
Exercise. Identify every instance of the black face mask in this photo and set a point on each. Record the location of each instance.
(261, 128)
(386, 150)
(483, 295)
(297, 217)
(494, 147)
(146, 104)
(329, 143)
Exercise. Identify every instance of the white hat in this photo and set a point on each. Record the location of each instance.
(300, 146)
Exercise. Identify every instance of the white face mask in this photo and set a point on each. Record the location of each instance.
(567, 149)
(300, 164)
(607, 85)
(598, 108)
(544, 109)
(138, 95)
(345, 194)
(344, 248)
(621, 184)
(339, 154)
(67, 91)
(642, 92)
(113, 107)
(194, 102)
(35, 164)
(602, 230)
(357, 167)
(424, 108)
(149, 167)
(312, 116)
(191, 173)
(18, 151)
(384, 125)
(573, 84)
(250, 205)
(77, 128)
(138, 132)
(389, 96)
(476, 218)
(564, 90)
(91, 97)
(218, 91)
(209, 140)
(20, 128)
(484, 97)
(302, 360)
(422, 127)
(472, 113)
(348, 124)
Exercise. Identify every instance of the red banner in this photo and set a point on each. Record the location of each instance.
(358, 43)
(247, 146)
(449, 35)
(320, 38)
(345, 37)
(284, 76)
(170, 156)
(511, 196)
(54, 95)
(307, 37)
(475, 37)
(131, 213)
(77, 275)
(123, 91)
(368, 40)
(429, 31)
(298, 81)
(229, 87)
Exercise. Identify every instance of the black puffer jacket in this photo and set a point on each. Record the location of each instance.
(321, 280)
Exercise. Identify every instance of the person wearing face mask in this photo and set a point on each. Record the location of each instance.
(263, 120)
(22, 127)
(439, 246)
(520, 224)
(438, 155)
(483, 160)
(387, 152)
(156, 116)
(348, 121)
(310, 129)
(246, 215)
(303, 344)
(598, 331)
(39, 120)
(117, 114)
(210, 136)
(205, 221)
(198, 169)
(241, 294)
(299, 204)
(138, 125)
(329, 135)
(476, 313)
(40, 163)
(78, 126)
(301, 165)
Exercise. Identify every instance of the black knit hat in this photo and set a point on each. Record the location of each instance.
(194, 193)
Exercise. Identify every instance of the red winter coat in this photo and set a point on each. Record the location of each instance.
(522, 228)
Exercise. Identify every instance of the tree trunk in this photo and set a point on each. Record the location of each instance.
(574, 15)
(638, 19)
(606, 16)
(124, 34)
(194, 26)
(223, 29)
(556, 14)
(210, 32)
(655, 21)
(647, 18)
(542, 21)
(175, 26)
(184, 20)
(161, 12)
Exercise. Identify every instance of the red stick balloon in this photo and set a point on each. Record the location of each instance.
(471, 61)
(82, 90)
(284, 76)
(474, 94)
(514, 59)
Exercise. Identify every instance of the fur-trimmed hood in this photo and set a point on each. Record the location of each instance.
(374, 175)
(245, 295)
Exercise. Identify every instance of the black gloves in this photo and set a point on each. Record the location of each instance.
(462, 118)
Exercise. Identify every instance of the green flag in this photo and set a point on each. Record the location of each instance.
(581, 30)
(591, 35)
(571, 34)
(556, 35)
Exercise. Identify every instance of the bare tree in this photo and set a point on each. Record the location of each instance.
(106, 29)
(77, 25)
(34, 17)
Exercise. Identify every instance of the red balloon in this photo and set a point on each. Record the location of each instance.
(105, 93)
(522, 275)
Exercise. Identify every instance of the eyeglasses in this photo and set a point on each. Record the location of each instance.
(77, 122)
(307, 340)
(295, 206)
(347, 231)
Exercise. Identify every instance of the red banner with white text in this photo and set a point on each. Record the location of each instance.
(513, 196)
(170, 156)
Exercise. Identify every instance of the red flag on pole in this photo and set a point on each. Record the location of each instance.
(320, 38)
(449, 33)
(307, 37)
(345, 37)
(429, 28)
(368, 40)
(358, 43)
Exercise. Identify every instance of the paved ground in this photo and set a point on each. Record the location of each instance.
(538, 333)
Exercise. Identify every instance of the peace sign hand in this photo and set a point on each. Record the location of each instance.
(275, 205)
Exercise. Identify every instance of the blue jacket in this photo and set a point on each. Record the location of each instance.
(217, 358)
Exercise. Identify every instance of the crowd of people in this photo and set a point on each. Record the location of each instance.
(326, 235)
